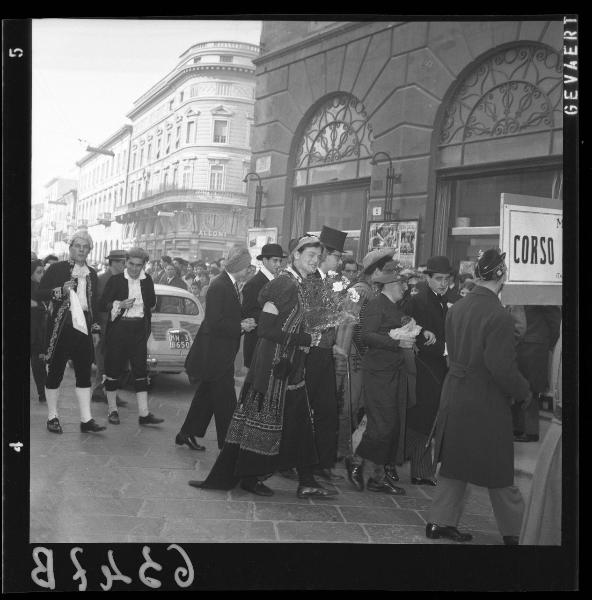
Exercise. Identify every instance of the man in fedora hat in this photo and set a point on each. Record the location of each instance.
(271, 256)
(320, 368)
(116, 260)
(428, 307)
(474, 438)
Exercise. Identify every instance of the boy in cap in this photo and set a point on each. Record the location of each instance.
(210, 361)
(474, 438)
(72, 287)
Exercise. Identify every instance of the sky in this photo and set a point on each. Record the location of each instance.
(87, 73)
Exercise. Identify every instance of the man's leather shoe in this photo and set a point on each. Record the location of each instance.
(511, 540)
(526, 437)
(256, 487)
(290, 474)
(328, 475)
(113, 418)
(354, 474)
(384, 486)
(314, 491)
(391, 472)
(149, 419)
(421, 481)
(54, 426)
(91, 427)
(188, 440)
(435, 532)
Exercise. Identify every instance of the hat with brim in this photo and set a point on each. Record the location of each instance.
(117, 255)
(391, 272)
(333, 238)
(303, 241)
(438, 264)
(271, 251)
(374, 256)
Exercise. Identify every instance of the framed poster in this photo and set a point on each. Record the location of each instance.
(400, 235)
(257, 237)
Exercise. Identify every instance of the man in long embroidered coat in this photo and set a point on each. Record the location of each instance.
(271, 429)
(71, 286)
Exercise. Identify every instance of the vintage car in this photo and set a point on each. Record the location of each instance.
(175, 321)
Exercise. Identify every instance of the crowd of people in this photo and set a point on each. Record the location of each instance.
(433, 369)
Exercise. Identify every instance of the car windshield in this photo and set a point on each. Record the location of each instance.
(176, 305)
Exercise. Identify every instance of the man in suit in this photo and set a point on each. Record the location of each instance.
(129, 299)
(71, 285)
(428, 307)
(116, 260)
(172, 278)
(210, 362)
(474, 440)
(271, 256)
(321, 383)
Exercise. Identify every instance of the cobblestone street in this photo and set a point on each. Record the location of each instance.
(129, 484)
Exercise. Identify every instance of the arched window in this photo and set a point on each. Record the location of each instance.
(336, 143)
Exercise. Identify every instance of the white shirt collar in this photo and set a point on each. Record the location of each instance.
(231, 278)
(267, 272)
(142, 274)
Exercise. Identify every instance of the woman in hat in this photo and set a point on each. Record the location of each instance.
(129, 299)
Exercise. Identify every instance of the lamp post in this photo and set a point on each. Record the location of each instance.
(258, 198)
(391, 179)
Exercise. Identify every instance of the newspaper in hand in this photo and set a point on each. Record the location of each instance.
(407, 333)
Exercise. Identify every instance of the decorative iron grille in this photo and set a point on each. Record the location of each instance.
(515, 90)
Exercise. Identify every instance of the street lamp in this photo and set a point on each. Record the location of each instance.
(258, 199)
(391, 179)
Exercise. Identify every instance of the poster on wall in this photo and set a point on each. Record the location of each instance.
(400, 235)
(257, 237)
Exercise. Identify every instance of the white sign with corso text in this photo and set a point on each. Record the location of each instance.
(532, 238)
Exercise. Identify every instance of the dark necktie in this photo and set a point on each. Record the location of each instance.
(238, 295)
(443, 305)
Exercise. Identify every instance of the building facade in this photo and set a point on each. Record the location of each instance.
(57, 218)
(422, 124)
(189, 153)
(102, 188)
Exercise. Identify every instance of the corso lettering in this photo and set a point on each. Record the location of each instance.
(533, 250)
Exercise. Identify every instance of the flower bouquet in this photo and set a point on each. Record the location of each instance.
(329, 302)
(407, 333)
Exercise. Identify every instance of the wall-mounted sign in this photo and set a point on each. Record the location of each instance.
(532, 238)
(400, 235)
(257, 237)
(263, 164)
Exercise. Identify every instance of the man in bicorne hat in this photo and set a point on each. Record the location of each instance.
(474, 437)
(271, 256)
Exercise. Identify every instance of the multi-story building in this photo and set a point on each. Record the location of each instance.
(102, 189)
(57, 219)
(189, 153)
(460, 112)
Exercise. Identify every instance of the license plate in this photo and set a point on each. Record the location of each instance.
(179, 340)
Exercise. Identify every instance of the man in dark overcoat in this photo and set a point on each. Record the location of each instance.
(128, 299)
(271, 256)
(428, 307)
(210, 362)
(474, 438)
(71, 285)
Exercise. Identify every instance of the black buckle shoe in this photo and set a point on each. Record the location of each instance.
(435, 532)
(422, 481)
(354, 474)
(54, 426)
(113, 418)
(391, 472)
(256, 487)
(188, 440)
(150, 419)
(314, 491)
(91, 427)
(385, 486)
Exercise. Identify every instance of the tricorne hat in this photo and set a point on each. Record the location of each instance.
(117, 255)
(272, 250)
(333, 238)
(375, 255)
(438, 264)
(391, 272)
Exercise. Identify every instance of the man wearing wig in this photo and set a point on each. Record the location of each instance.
(129, 298)
(71, 285)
